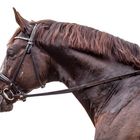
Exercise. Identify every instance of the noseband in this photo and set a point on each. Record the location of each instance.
(10, 92)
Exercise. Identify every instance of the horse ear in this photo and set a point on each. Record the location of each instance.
(23, 23)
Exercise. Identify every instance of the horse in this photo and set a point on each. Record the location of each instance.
(73, 54)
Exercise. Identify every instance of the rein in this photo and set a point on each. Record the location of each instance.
(81, 87)
(17, 94)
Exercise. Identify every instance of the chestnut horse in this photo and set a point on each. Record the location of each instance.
(75, 54)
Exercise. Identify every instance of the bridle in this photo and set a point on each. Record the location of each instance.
(14, 92)
(28, 51)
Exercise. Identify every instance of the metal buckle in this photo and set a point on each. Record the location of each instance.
(6, 96)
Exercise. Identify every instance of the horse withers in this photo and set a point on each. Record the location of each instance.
(47, 51)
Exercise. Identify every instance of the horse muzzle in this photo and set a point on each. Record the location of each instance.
(4, 106)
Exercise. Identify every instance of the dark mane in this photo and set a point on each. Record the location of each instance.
(91, 40)
(87, 39)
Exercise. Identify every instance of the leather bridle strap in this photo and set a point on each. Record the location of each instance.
(73, 89)
(36, 69)
(11, 82)
(19, 65)
(5, 79)
(28, 50)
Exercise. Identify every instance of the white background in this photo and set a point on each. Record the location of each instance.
(61, 117)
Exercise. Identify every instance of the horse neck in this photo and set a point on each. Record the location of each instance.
(74, 68)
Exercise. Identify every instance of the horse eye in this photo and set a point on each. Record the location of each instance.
(10, 52)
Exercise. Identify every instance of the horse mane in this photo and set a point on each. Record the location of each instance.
(89, 40)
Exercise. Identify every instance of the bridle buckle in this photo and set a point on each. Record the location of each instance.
(7, 96)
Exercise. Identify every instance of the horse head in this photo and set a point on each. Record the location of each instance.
(26, 66)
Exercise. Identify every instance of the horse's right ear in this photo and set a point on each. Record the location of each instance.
(23, 23)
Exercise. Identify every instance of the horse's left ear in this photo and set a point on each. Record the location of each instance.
(23, 23)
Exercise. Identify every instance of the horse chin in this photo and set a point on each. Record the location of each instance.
(4, 106)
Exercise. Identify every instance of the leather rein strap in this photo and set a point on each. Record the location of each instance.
(83, 86)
